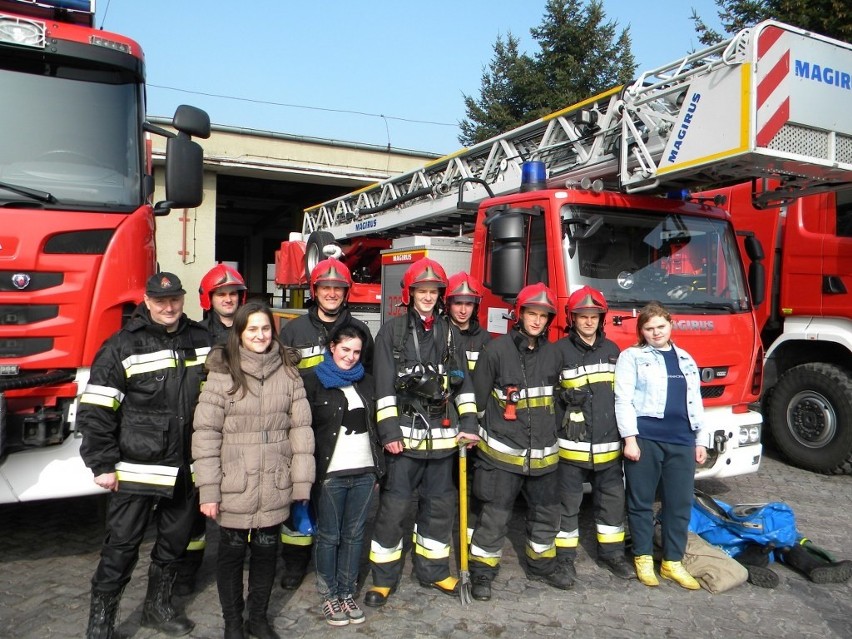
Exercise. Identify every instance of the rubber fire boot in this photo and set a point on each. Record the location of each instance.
(158, 611)
(816, 568)
(187, 571)
(261, 580)
(755, 558)
(102, 613)
(296, 560)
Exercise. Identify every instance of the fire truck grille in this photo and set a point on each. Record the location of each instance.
(11, 315)
(24, 346)
(712, 392)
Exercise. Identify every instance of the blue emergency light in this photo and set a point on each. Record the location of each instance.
(533, 176)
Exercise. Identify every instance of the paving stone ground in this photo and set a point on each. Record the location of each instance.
(49, 550)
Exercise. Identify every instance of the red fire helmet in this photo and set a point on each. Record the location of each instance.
(464, 288)
(588, 300)
(423, 273)
(330, 272)
(536, 296)
(217, 277)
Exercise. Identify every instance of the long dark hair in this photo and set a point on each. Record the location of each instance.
(231, 350)
(346, 331)
(648, 312)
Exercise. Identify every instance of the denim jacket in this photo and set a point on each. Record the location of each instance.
(641, 386)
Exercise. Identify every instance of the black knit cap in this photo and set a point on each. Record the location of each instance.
(164, 285)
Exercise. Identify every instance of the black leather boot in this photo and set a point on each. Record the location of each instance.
(817, 568)
(102, 613)
(158, 611)
(229, 581)
(264, 551)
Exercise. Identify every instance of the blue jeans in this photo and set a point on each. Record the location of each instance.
(344, 503)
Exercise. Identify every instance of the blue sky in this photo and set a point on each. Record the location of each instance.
(332, 68)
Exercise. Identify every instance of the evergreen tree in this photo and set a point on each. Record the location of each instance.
(581, 54)
(828, 17)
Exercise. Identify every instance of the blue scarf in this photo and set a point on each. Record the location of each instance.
(331, 375)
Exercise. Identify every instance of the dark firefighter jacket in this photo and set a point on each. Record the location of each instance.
(403, 415)
(506, 367)
(471, 341)
(136, 412)
(216, 330)
(588, 433)
(309, 334)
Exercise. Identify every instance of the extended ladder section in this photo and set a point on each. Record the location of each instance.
(771, 102)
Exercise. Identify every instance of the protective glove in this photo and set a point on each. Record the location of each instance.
(302, 517)
(575, 431)
(573, 397)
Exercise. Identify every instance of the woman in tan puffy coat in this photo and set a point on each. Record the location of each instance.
(253, 448)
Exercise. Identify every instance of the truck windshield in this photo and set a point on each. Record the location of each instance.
(681, 261)
(70, 132)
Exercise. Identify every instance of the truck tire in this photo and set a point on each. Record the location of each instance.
(810, 415)
(313, 250)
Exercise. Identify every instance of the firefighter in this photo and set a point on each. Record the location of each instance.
(422, 388)
(136, 419)
(464, 294)
(589, 443)
(221, 293)
(518, 452)
(330, 285)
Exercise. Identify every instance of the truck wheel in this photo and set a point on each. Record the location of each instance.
(810, 414)
(313, 250)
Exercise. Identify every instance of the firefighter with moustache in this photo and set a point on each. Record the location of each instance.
(518, 452)
(136, 417)
(589, 443)
(424, 407)
(221, 292)
(464, 294)
(330, 284)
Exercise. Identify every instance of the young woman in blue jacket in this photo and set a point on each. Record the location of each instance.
(660, 417)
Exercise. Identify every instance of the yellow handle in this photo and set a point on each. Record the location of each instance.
(463, 507)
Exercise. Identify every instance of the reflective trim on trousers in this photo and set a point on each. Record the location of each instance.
(610, 534)
(569, 539)
(483, 556)
(381, 555)
(540, 551)
(430, 548)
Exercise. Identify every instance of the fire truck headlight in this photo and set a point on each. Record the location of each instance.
(749, 435)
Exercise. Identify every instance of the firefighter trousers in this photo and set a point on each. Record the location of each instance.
(607, 503)
(431, 480)
(127, 518)
(497, 490)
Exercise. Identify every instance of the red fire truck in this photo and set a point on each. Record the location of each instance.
(587, 209)
(806, 321)
(76, 224)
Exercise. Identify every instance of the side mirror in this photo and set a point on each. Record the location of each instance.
(185, 161)
(192, 121)
(508, 255)
(757, 282)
